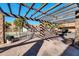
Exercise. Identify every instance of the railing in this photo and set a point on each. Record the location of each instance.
(20, 35)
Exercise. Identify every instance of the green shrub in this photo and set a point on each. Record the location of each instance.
(9, 37)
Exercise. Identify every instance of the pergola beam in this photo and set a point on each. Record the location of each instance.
(30, 9)
(70, 17)
(65, 19)
(59, 15)
(49, 9)
(11, 11)
(10, 15)
(9, 6)
(65, 13)
(19, 10)
(70, 4)
(4, 12)
(65, 10)
(52, 7)
(32, 18)
(15, 16)
(64, 7)
(39, 9)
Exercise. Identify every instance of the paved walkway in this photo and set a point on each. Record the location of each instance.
(45, 46)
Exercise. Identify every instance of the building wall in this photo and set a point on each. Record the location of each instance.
(2, 32)
(70, 26)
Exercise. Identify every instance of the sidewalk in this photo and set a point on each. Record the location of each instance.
(16, 48)
(49, 46)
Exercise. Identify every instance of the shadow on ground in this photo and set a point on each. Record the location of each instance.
(34, 49)
(2, 49)
(71, 51)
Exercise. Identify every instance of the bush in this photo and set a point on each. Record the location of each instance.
(10, 38)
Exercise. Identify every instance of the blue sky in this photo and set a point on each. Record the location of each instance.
(15, 8)
(10, 19)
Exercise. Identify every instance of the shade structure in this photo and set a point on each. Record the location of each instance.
(51, 12)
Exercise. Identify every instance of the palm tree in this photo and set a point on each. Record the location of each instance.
(7, 25)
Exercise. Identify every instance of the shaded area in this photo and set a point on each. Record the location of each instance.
(19, 44)
(23, 43)
(71, 51)
(34, 49)
(64, 32)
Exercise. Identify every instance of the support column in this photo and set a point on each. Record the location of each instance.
(2, 30)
